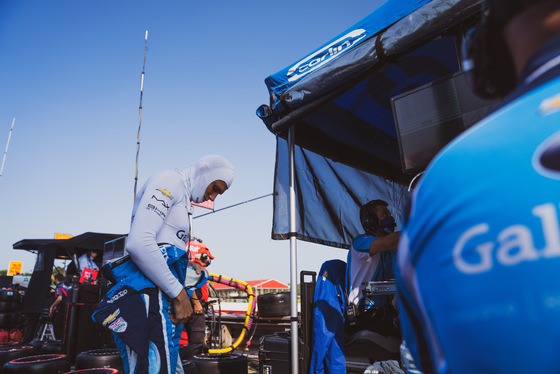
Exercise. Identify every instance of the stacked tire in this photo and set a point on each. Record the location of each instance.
(11, 352)
(222, 363)
(9, 315)
(274, 304)
(108, 358)
(41, 364)
(47, 346)
(189, 367)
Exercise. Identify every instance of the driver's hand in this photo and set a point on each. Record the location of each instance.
(197, 267)
(182, 308)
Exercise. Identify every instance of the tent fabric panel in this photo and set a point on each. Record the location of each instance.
(357, 128)
(350, 65)
(386, 14)
(426, 23)
(328, 197)
(423, 22)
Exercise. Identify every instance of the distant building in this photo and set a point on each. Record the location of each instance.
(232, 294)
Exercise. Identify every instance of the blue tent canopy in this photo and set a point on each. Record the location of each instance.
(337, 103)
(385, 15)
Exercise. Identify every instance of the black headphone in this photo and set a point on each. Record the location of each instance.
(486, 59)
(368, 216)
(205, 259)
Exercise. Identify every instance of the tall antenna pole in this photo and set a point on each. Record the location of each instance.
(7, 145)
(140, 115)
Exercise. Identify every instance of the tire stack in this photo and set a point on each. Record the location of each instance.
(40, 364)
(9, 314)
(108, 358)
(11, 352)
(221, 363)
(274, 304)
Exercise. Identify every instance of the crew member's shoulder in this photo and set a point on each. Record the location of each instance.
(362, 242)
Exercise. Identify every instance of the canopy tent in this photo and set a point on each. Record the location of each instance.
(47, 251)
(337, 100)
(332, 113)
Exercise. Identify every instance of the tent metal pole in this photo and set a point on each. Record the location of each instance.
(293, 255)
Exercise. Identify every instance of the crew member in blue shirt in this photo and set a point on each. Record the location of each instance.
(370, 258)
(479, 254)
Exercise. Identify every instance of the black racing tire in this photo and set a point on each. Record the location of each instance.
(189, 367)
(8, 295)
(10, 344)
(54, 346)
(7, 320)
(100, 358)
(8, 306)
(274, 304)
(11, 353)
(37, 344)
(222, 363)
(94, 371)
(41, 364)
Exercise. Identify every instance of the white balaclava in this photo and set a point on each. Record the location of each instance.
(208, 169)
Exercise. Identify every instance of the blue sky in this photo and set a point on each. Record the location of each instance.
(70, 74)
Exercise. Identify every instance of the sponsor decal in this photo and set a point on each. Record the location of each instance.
(111, 317)
(117, 296)
(478, 249)
(156, 210)
(163, 250)
(166, 206)
(181, 234)
(165, 193)
(325, 54)
(119, 325)
(546, 159)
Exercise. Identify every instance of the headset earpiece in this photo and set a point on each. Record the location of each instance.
(487, 61)
(368, 221)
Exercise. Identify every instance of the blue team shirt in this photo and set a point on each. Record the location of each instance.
(361, 267)
(479, 258)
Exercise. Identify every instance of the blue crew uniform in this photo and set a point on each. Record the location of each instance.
(479, 256)
(361, 267)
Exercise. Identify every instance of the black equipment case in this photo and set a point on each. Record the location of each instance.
(274, 353)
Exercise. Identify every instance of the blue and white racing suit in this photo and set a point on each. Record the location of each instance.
(137, 312)
(479, 256)
(137, 307)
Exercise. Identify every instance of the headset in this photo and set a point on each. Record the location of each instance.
(205, 259)
(368, 216)
(486, 59)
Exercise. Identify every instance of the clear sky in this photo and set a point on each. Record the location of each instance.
(70, 74)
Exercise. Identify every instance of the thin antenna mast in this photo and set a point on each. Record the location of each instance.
(7, 145)
(140, 114)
